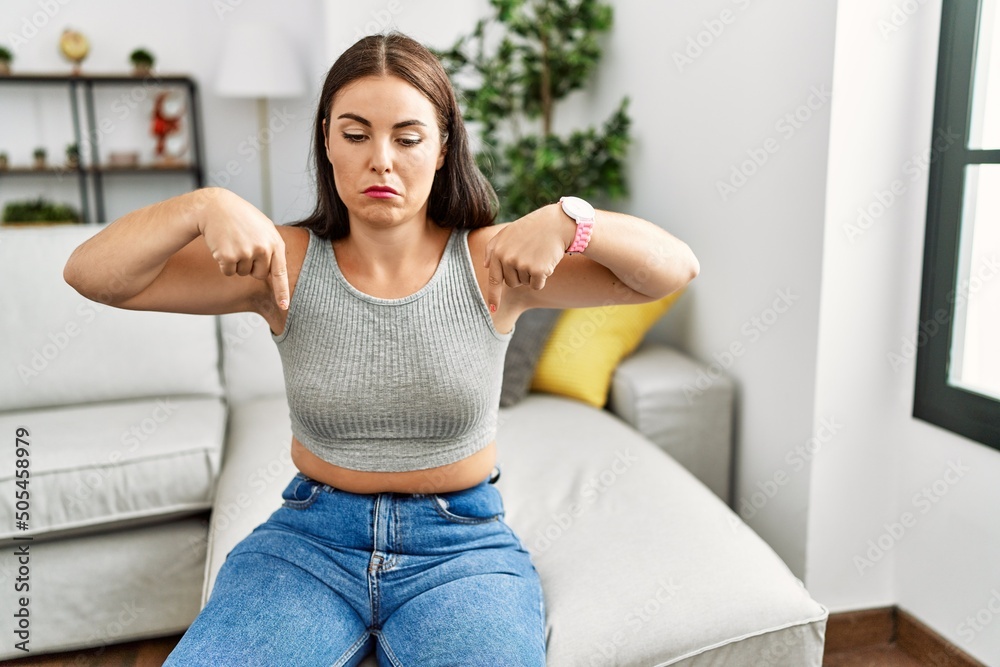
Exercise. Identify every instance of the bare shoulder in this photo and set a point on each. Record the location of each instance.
(484, 234)
(294, 237)
(479, 238)
(296, 242)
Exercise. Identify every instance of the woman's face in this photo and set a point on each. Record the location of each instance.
(384, 132)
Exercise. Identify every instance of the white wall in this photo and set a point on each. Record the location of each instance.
(694, 123)
(945, 566)
(186, 37)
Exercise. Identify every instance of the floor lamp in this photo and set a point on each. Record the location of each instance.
(259, 62)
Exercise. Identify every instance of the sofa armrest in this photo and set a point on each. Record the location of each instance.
(673, 401)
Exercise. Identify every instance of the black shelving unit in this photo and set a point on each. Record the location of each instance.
(94, 172)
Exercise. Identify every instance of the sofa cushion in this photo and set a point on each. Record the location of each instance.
(107, 588)
(641, 564)
(669, 398)
(680, 574)
(61, 348)
(111, 465)
(523, 351)
(258, 466)
(251, 364)
(587, 344)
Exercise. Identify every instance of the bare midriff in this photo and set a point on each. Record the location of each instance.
(455, 476)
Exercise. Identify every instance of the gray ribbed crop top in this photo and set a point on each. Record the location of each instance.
(391, 384)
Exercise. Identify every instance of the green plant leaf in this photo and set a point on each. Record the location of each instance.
(552, 45)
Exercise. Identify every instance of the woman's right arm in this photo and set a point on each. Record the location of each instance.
(204, 252)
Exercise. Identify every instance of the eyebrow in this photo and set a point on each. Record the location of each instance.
(363, 121)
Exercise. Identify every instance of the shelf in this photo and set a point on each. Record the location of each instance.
(85, 124)
(109, 169)
(57, 77)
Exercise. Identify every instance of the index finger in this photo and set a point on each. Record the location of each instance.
(495, 285)
(279, 277)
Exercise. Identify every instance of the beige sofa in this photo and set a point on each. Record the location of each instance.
(154, 442)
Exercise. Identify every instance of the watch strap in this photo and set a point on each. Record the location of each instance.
(582, 238)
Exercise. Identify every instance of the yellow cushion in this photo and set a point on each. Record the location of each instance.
(587, 344)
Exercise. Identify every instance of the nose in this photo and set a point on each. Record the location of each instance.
(381, 159)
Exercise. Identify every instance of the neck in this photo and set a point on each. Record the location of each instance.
(389, 254)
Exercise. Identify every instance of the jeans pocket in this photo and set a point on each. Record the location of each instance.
(301, 492)
(480, 504)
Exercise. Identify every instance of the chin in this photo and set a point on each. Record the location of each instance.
(379, 214)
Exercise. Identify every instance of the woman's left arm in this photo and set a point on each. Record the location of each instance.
(628, 260)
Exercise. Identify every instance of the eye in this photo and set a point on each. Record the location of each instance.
(409, 142)
(354, 138)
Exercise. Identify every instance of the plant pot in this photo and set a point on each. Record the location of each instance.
(142, 69)
(39, 162)
(46, 223)
(3, 163)
(72, 161)
(4, 67)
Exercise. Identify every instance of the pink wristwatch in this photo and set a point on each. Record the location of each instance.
(583, 213)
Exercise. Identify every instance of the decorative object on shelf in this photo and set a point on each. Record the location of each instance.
(168, 111)
(123, 159)
(74, 47)
(3, 162)
(38, 211)
(39, 154)
(73, 156)
(259, 62)
(142, 62)
(5, 59)
(94, 177)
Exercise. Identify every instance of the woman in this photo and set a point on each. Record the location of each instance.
(391, 306)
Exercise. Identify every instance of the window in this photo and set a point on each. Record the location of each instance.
(958, 338)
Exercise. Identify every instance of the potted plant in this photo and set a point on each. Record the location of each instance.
(38, 211)
(39, 154)
(546, 50)
(72, 156)
(3, 161)
(142, 62)
(5, 59)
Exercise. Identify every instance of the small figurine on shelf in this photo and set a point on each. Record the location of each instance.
(142, 62)
(3, 161)
(72, 156)
(39, 158)
(5, 57)
(123, 159)
(167, 114)
(74, 47)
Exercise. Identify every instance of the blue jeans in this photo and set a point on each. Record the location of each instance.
(423, 579)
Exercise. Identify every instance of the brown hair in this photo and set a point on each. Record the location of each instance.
(460, 197)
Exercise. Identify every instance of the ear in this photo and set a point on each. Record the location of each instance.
(443, 154)
(326, 142)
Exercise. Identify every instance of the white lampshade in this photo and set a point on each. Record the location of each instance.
(258, 61)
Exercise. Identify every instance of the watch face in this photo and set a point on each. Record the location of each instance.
(578, 208)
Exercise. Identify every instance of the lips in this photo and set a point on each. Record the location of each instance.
(381, 188)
